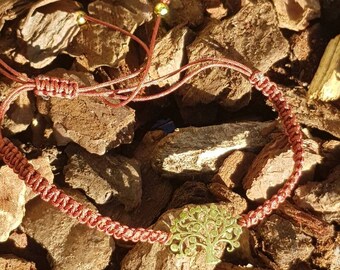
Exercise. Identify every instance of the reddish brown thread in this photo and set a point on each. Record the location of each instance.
(54, 87)
(293, 131)
(50, 193)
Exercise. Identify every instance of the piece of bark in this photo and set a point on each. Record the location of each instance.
(274, 164)
(325, 85)
(330, 151)
(224, 194)
(97, 45)
(295, 15)
(45, 34)
(155, 197)
(216, 8)
(70, 245)
(10, 9)
(104, 178)
(278, 237)
(313, 113)
(229, 266)
(321, 197)
(327, 255)
(85, 120)
(184, 12)
(234, 168)
(11, 262)
(169, 54)
(250, 37)
(157, 256)
(191, 192)
(192, 151)
(309, 224)
(20, 114)
(14, 194)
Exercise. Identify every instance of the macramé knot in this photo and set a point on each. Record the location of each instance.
(55, 87)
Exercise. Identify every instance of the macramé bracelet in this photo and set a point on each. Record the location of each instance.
(60, 88)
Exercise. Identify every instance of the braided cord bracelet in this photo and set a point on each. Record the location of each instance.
(55, 87)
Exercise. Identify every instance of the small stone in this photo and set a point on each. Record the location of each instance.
(14, 194)
(278, 237)
(86, 120)
(158, 256)
(104, 177)
(325, 85)
(321, 197)
(191, 192)
(195, 151)
(234, 168)
(70, 245)
(295, 15)
(250, 37)
(20, 114)
(274, 164)
(11, 262)
(169, 55)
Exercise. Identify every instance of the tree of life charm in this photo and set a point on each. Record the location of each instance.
(204, 227)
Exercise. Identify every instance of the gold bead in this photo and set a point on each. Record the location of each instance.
(161, 9)
(81, 18)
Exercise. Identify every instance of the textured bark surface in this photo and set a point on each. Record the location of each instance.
(104, 178)
(256, 41)
(65, 239)
(87, 121)
(191, 150)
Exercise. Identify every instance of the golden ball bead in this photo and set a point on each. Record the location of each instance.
(161, 9)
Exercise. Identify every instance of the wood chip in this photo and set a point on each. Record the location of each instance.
(274, 164)
(192, 151)
(325, 85)
(251, 37)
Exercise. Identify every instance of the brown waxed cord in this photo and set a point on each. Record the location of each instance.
(55, 87)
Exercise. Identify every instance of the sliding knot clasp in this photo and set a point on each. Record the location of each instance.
(55, 87)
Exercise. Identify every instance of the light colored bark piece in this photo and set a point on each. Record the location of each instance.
(45, 34)
(216, 8)
(321, 197)
(14, 195)
(274, 164)
(70, 245)
(234, 168)
(169, 55)
(96, 45)
(10, 9)
(325, 85)
(11, 262)
(250, 37)
(296, 14)
(279, 237)
(104, 178)
(185, 12)
(192, 151)
(159, 256)
(87, 121)
(313, 113)
(20, 114)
